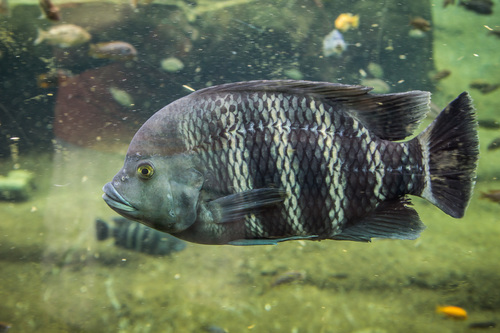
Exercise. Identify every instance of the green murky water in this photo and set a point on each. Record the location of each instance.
(56, 277)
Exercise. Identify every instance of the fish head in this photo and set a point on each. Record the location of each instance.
(159, 191)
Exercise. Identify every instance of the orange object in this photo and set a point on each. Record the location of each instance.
(346, 21)
(451, 311)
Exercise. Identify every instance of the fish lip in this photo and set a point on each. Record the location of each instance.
(116, 201)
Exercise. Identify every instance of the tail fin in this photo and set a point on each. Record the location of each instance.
(450, 148)
(103, 231)
(40, 38)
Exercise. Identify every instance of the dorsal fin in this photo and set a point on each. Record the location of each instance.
(389, 116)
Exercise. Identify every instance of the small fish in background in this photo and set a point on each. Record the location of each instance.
(49, 10)
(116, 50)
(483, 7)
(63, 35)
(346, 21)
(334, 44)
(442, 74)
(451, 311)
(448, 2)
(53, 78)
(493, 32)
(289, 277)
(489, 123)
(138, 237)
(420, 23)
(483, 324)
(4, 8)
(492, 195)
(4, 327)
(483, 86)
(494, 145)
(133, 4)
(213, 329)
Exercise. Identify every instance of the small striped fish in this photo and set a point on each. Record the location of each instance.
(137, 237)
(266, 161)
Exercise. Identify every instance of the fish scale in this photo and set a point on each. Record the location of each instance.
(301, 157)
(302, 145)
(265, 161)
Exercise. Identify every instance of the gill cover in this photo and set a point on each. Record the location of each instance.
(185, 190)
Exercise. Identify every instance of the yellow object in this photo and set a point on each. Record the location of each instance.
(451, 311)
(346, 21)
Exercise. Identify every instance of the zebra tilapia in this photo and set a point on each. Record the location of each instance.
(137, 237)
(266, 161)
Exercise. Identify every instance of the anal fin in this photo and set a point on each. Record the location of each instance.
(391, 219)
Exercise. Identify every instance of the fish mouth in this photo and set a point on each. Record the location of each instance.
(116, 201)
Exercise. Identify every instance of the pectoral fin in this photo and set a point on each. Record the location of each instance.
(236, 206)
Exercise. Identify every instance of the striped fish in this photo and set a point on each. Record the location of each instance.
(137, 237)
(266, 161)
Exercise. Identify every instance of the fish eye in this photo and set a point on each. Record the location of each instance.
(145, 170)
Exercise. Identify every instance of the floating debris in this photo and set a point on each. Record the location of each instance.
(346, 21)
(484, 7)
(172, 65)
(121, 96)
(137, 237)
(185, 86)
(115, 50)
(334, 44)
(64, 35)
(251, 26)
(451, 311)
